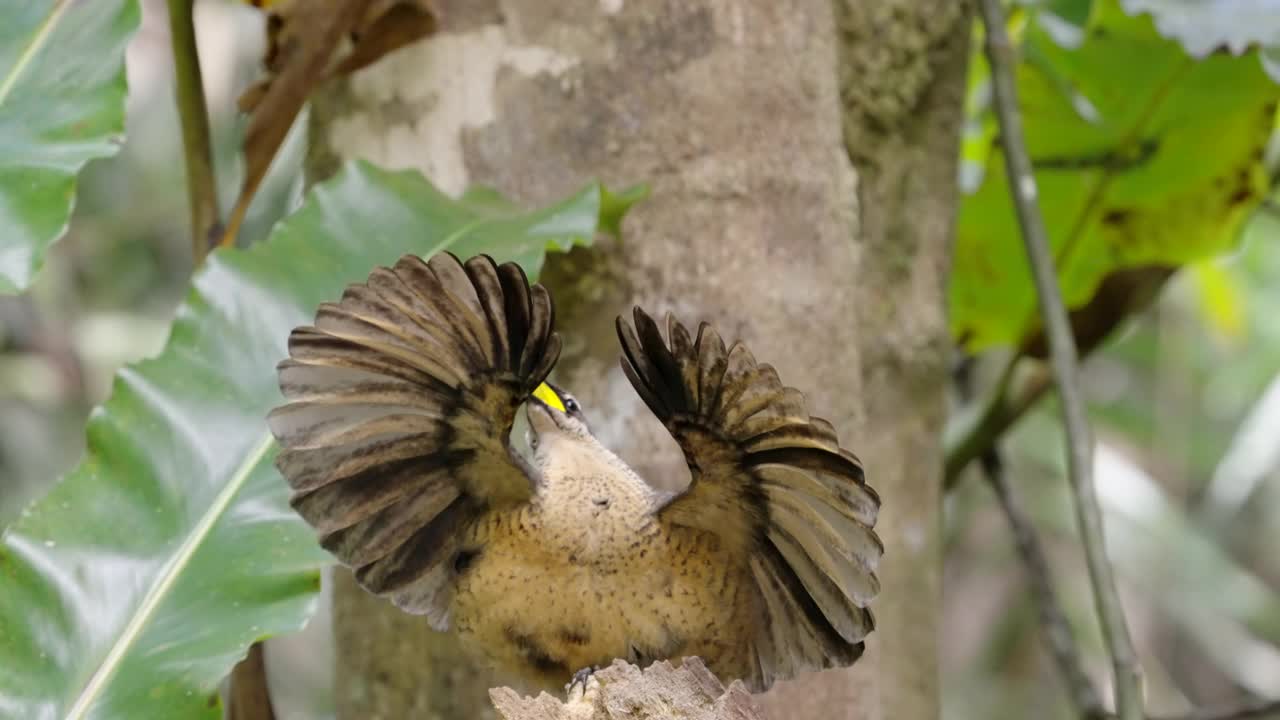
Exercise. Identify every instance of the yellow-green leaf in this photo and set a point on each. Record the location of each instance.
(1143, 156)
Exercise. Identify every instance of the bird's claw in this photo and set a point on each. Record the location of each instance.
(577, 686)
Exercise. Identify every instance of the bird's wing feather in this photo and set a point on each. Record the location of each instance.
(773, 484)
(400, 403)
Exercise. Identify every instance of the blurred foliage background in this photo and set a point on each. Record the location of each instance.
(1153, 138)
(110, 286)
(1185, 397)
(1186, 410)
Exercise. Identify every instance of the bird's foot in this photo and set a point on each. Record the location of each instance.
(582, 684)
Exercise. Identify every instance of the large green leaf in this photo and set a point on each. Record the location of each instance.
(62, 89)
(131, 589)
(1143, 156)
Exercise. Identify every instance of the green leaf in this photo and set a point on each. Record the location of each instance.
(133, 587)
(1143, 157)
(1221, 300)
(62, 91)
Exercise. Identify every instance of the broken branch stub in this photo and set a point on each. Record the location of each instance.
(624, 692)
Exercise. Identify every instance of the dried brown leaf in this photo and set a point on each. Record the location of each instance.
(305, 47)
(1121, 295)
(389, 25)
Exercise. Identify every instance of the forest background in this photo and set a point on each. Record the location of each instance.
(1152, 129)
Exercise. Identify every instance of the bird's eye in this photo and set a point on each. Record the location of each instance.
(571, 405)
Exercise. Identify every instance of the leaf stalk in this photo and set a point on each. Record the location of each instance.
(197, 145)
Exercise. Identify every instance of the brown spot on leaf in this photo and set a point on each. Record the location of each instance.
(1115, 216)
(1240, 197)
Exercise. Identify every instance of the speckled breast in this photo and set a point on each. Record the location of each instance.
(545, 608)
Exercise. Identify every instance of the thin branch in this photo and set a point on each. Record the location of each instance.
(197, 147)
(1053, 620)
(1006, 403)
(1128, 674)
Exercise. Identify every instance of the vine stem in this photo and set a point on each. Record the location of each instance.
(1062, 350)
(197, 146)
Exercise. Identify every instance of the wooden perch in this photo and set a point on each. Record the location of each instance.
(623, 692)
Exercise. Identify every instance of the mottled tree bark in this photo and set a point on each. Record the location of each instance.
(761, 137)
(902, 82)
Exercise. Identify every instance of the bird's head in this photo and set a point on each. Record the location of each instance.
(555, 416)
(572, 464)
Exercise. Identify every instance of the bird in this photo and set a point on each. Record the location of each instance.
(396, 440)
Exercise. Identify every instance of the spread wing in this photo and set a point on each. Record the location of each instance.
(774, 484)
(400, 404)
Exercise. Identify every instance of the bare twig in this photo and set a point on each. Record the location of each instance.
(1128, 675)
(1053, 620)
(1006, 402)
(197, 147)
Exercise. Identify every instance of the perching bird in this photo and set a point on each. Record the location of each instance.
(396, 442)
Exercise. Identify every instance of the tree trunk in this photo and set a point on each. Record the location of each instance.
(748, 120)
(902, 82)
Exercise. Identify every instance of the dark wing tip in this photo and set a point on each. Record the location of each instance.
(639, 316)
(514, 267)
(647, 328)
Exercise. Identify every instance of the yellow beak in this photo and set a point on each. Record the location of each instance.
(549, 396)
